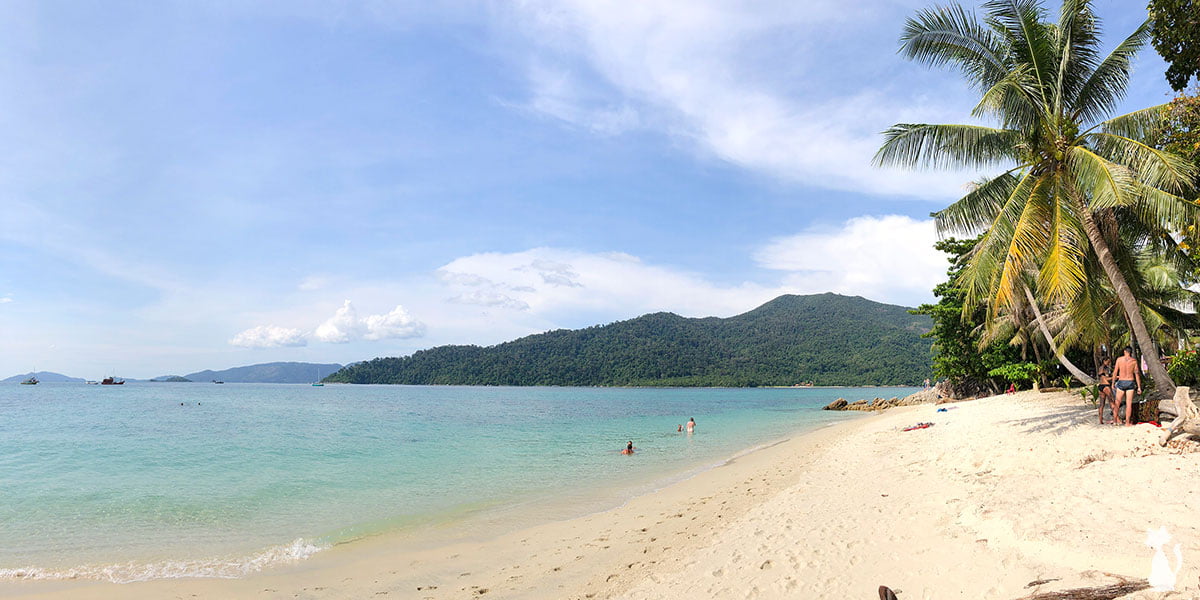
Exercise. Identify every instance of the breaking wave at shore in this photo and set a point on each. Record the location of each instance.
(221, 568)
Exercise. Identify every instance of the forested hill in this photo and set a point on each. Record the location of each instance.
(825, 339)
(276, 372)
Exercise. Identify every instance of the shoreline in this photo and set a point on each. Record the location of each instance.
(421, 546)
(1022, 488)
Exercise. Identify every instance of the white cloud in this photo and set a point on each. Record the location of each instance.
(396, 324)
(489, 298)
(555, 282)
(558, 94)
(5, 299)
(269, 336)
(313, 283)
(346, 326)
(699, 70)
(890, 257)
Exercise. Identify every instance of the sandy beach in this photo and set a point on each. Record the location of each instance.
(1004, 497)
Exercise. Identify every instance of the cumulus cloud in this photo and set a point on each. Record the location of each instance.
(346, 326)
(269, 336)
(700, 70)
(555, 281)
(884, 258)
(5, 299)
(890, 257)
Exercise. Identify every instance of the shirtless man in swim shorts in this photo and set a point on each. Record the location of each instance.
(1127, 377)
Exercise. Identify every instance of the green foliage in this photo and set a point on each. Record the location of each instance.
(957, 355)
(1091, 393)
(1017, 372)
(1180, 132)
(825, 339)
(1177, 38)
(1066, 171)
(1185, 367)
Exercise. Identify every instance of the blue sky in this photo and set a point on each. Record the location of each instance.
(204, 185)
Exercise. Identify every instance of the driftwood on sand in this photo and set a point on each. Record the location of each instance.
(1104, 592)
(1188, 419)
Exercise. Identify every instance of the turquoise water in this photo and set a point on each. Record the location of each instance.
(125, 483)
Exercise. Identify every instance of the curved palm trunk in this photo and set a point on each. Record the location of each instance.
(1164, 386)
(1062, 358)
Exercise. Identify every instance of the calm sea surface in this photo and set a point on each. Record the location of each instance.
(151, 480)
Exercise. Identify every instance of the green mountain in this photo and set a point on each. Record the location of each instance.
(826, 339)
(45, 376)
(277, 372)
(171, 379)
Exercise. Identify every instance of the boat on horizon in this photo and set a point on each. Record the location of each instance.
(33, 380)
(112, 381)
(318, 383)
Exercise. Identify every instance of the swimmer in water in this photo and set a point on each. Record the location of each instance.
(691, 426)
(628, 448)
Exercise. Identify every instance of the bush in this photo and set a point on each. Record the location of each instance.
(1185, 367)
(1016, 372)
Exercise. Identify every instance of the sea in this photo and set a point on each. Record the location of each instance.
(161, 480)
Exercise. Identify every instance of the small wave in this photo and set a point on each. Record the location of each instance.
(220, 568)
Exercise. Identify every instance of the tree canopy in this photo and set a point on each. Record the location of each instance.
(1083, 195)
(1177, 38)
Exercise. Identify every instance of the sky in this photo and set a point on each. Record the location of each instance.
(202, 185)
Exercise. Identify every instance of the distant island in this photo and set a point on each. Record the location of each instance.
(43, 376)
(822, 339)
(276, 372)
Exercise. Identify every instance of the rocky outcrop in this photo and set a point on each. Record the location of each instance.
(932, 395)
(839, 404)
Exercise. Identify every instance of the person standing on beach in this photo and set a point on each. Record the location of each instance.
(1128, 378)
(1105, 387)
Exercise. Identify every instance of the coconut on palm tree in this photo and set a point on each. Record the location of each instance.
(1075, 176)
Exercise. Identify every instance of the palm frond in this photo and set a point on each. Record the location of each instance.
(1021, 22)
(1141, 124)
(978, 209)
(1154, 167)
(1106, 183)
(1062, 273)
(1156, 208)
(910, 145)
(1029, 240)
(951, 35)
(1077, 55)
(1014, 100)
(1106, 86)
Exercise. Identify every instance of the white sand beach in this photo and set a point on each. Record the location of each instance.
(1000, 494)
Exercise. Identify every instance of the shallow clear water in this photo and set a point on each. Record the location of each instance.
(125, 483)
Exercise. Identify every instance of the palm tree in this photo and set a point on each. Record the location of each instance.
(1072, 175)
